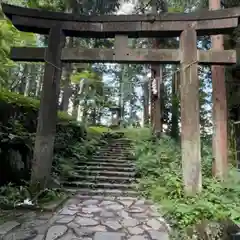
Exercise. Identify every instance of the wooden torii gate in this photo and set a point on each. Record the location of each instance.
(121, 27)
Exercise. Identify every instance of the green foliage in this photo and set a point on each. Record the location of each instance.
(136, 134)
(18, 99)
(13, 104)
(10, 36)
(86, 74)
(17, 131)
(5, 63)
(159, 164)
(177, 9)
(65, 164)
(97, 130)
(11, 195)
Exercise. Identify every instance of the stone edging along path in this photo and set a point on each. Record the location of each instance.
(91, 218)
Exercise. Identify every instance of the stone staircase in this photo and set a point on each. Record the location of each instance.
(110, 172)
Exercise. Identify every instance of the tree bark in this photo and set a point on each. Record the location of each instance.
(175, 107)
(146, 103)
(76, 103)
(23, 79)
(67, 90)
(85, 112)
(40, 82)
(157, 70)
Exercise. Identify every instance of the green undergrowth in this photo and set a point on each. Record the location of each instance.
(64, 168)
(24, 110)
(96, 131)
(136, 133)
(66, 162)
(74, 143)
(204, 215)
(14, 196)
(66, 165)
(82, 151)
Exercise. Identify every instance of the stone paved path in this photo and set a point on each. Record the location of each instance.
(91, 218)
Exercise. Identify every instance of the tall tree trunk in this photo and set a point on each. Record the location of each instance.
(220, 144)
(175, 106)
(237, 125)
(23, 79)
(146, 103)
(76, 102)
(85, 112)
(27, 81)
(121, 93)
(32, 82)
(132, 114)
(99, 117)
(94, 116)
(40, 82)
(157, 70)
(67, 90)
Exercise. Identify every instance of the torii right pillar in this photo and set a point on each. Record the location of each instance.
(190, 121)
(219, 99)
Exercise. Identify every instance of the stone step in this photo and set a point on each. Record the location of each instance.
(93, 185)
(125, 159)
(108, 164)
(122, 146)
(102, 179)
(113, 151)
(106, 168)
(114, 156)
(110, 155)
(118, 139)
(111, 160)
(121, 139)
(116, 148)
(105, 173)
(102, 192)
(121, 143)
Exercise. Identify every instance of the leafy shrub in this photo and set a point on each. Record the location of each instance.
(159, 165)
(18, 123)
(97, 130)
(73, 144)
(137, 134)
(17, 107)
(11, 195)
(21, 113)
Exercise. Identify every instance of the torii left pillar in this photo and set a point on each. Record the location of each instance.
(47, 116)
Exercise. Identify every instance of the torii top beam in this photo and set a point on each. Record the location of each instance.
(166, 24)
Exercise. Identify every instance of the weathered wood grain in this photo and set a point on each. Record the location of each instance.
(190, 125)
(47, 117)
(131, 56)
(132, 29)
(224, 57)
